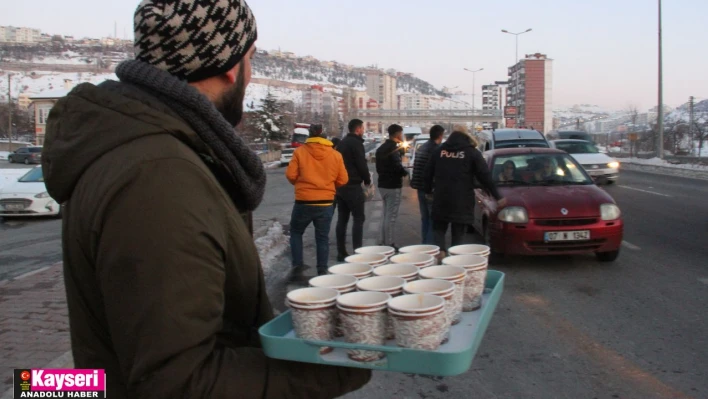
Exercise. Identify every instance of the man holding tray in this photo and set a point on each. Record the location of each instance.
(163, 282)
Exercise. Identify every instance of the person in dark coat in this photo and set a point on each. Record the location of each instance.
(350, 197)
(391, 173)
(449, 177)
(164, 285)
(422, 155)
(335, 142)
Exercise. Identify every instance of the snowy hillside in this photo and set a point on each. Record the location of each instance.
(682, 114)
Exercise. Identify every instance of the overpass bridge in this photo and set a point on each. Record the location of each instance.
(413, 116)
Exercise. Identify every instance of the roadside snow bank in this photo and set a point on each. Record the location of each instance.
(662, 167)
(4, 154)
(662, 162)
(271, 245)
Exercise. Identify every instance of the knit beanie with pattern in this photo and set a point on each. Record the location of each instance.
(193, 39)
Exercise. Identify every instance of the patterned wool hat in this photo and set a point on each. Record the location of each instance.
(193, 39)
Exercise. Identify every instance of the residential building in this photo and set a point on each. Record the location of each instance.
(12, 34)
(43, 103)
(413, 101)
(24, 101)
(312, 99)
(530, 91)
(491, 97)
(382, 87)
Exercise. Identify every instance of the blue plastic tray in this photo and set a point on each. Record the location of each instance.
(453, 358)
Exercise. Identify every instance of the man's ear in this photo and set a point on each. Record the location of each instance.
(232, 74)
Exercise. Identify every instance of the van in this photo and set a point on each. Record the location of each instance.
(574, 135)
(512, 138)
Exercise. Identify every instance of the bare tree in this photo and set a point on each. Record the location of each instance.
(633, 113)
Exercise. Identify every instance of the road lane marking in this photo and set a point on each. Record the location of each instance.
(644, 191)
(541, 308)
(631, 246)
(33, 272)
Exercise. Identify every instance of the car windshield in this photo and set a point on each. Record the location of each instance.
(35, 149)
(288, 151)
(573, 147)
(537, 170)
(33, 176)
(299, 138)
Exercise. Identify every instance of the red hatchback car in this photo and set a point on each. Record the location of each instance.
(553, 207)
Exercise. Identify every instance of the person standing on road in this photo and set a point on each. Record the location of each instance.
(422, 155)
(449, 177)
(350, 197)
(164, 286)
(391, 173)
(316, 170)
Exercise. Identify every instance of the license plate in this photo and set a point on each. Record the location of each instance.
(14, 207)
(596, 172)
(566, 235)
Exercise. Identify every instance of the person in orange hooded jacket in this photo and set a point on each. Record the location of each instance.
(316, 170)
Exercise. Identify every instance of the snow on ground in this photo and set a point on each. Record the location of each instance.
(255, 93)
(271, 246)
(40, 81)
(663, 163)
(4, 154)
(8, 176)
(272, 165)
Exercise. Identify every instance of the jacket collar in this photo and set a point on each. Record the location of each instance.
(319, 140)
(356, 137)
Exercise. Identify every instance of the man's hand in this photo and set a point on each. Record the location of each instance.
(501, 203)
(429, 198)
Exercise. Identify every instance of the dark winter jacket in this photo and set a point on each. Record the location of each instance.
(352, 149)
(389, 165)
(163, 282)
(450, 175)
(422, 155)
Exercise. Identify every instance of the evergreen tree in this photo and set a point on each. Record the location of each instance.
(269, 120)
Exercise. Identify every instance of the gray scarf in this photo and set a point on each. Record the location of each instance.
(245, 167)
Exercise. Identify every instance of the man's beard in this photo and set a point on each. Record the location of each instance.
(230, 104)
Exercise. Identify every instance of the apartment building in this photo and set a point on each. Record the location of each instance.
(382, 87)
(530, 91)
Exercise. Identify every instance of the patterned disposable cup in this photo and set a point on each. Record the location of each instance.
(408, 272)
(377, 250)
(313, 312)
(442, 288)
(420, 323)
(358, 270)
(341, 282)
(389, 284)
(476, 268)
(364, 319)
(422, 249)
(455, 275)
(419, 259)
(369, 259)
(470, 249)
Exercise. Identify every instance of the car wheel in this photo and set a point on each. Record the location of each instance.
(9, 159)
(609, 182)
(27, 161)
(610, 256)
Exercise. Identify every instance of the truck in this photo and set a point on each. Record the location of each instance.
(300, 134)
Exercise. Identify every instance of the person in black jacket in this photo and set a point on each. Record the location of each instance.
(391, 173)
(422, 155)
(449, 176)
(350, 198)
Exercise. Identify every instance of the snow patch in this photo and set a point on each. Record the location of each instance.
(661, 162)
(4, 154)
(271, 246)
(272, 165)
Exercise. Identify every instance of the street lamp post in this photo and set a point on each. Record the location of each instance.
(451, 88)
(660, 115)
(516, 85)
(474, 87)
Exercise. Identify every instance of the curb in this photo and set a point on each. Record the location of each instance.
(65, 361)
(667, 171)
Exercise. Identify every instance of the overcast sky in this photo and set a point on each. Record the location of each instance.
(604, 51)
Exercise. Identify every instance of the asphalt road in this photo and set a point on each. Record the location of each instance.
(567, 327)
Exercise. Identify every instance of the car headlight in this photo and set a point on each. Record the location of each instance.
(609, 212)
(613, 165)
(514, 214)
(42, 195)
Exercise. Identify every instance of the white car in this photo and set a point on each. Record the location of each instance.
(28, 197)
(600, 166)
(286, 154)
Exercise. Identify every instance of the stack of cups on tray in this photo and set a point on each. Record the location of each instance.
(476, 267)
(410, 299)
(313, 312)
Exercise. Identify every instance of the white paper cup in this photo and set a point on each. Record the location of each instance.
(423, 249)
(377, 250)
(313, 313)
(340, 282)
(476, 268)
(358, 270)
(416, 303)
(419, 331)
(364, 318)
(456, 275)
(363, 300)
(369, 259)
(419, 259)
(442, 288)
(387, 284)
(408, 272)
(470, 249)
(312, 296)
